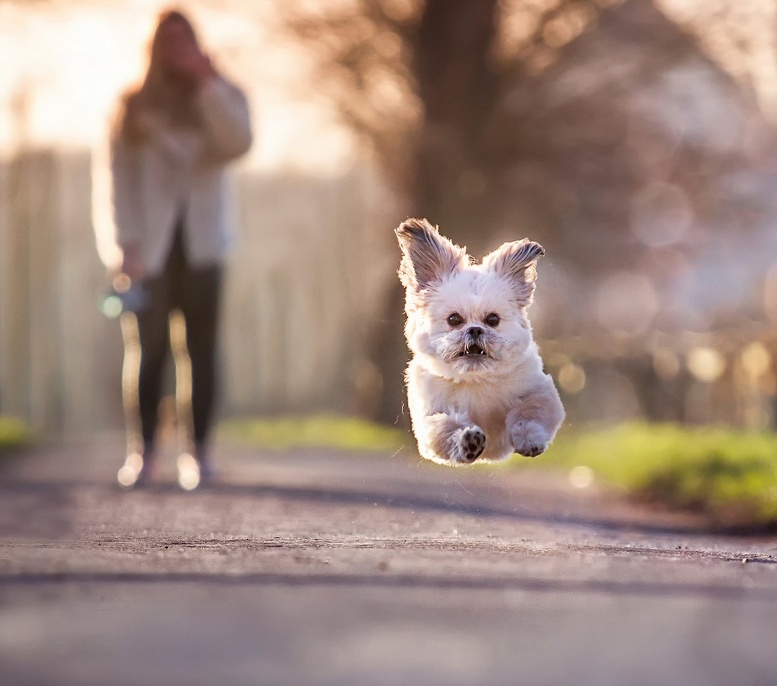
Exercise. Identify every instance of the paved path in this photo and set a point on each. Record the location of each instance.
(319, 568)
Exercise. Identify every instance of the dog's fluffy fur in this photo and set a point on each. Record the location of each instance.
(475, 384)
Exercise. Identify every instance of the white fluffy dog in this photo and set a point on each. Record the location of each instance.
(475, 385)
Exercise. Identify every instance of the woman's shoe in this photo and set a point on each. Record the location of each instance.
(188, 472)
(135, 472)
(193, 472)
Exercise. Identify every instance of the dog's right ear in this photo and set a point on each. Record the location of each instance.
(517, 261)
(427, 256)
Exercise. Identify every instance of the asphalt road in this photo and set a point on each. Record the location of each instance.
(321, 568)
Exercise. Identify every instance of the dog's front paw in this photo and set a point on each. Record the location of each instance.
(467, 444)
(529, 438)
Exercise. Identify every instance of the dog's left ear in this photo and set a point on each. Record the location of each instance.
(427, 256)
(517, 261)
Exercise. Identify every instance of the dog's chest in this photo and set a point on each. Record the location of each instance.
(487, 405)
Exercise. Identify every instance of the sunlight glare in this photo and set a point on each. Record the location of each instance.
(63, 66)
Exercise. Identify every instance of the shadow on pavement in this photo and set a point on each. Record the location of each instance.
(616, 588)
(52, 491)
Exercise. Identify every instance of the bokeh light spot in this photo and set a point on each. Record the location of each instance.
(581, 476)
(756, 360)
(571, 378)
(706, 364)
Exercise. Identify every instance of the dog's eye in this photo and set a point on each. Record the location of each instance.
(492, 319)
(455, 319)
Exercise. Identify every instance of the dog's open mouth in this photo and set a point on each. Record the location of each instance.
(473, 350)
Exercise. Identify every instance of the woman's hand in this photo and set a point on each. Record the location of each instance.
(187, 59)
(131, 264)
(201, 69)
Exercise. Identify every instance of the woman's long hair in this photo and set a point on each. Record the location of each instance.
(160, 93)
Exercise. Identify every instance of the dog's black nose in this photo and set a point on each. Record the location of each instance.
(475, 331)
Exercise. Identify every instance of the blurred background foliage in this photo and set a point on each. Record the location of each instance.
(633, 139)
(14, 434)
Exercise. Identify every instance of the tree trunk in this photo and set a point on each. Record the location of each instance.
(458, 87)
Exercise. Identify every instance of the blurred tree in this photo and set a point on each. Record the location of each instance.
(422, 83)
(561, 119)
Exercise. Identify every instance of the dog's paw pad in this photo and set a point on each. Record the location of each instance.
(473, 443)
(529, 439)
(532, 449)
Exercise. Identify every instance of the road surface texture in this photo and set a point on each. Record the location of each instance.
(323, 568)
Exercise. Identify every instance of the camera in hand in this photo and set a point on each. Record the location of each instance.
(124, 296)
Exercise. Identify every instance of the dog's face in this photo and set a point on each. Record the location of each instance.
(465, 319)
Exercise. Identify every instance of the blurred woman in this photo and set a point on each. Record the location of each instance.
(170, 143)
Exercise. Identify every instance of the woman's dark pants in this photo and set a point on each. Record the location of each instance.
(196, 292)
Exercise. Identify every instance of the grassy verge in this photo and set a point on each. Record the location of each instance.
(729, 476)
(13, 434)
(317, 431)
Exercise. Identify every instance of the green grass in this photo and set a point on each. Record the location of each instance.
(317, 431)
(729, 476)
(13, 433)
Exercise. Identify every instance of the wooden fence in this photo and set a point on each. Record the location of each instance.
(312, 260)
